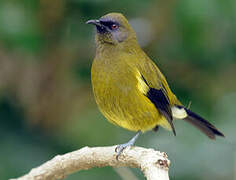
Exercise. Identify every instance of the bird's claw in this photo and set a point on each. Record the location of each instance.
(120, 148)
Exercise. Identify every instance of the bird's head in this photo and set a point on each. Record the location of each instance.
(113, 29)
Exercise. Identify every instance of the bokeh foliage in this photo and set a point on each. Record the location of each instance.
(46, 102)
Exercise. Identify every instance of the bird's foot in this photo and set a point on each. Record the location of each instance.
(120, 148)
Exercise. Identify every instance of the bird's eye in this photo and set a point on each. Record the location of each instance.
(114, 26)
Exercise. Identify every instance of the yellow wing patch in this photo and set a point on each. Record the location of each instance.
(141, 85)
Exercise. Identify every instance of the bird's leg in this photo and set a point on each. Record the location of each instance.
(119, 149)
(155, 128)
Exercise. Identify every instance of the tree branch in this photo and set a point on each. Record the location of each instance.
(153, 164)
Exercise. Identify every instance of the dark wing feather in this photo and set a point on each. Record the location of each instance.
(158, 98)
(161, 102)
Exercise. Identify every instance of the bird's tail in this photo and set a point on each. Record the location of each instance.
(207, 128)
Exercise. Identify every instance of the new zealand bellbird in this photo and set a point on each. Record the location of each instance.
(129, 88)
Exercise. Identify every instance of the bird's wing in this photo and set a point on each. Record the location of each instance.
(157, 90)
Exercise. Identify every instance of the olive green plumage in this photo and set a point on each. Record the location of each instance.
(129, 88)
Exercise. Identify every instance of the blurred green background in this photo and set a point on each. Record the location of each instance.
(46, 101)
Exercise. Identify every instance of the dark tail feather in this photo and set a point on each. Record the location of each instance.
(203, 125)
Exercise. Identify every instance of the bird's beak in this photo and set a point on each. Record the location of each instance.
(94, 22)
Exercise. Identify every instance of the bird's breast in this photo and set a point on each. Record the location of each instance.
(119, 94)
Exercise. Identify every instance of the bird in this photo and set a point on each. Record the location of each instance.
(129, 88)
